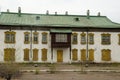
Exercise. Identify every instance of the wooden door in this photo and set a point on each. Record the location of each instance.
(59, 55)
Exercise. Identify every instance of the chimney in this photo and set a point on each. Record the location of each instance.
(8, 11)
(19, 11)
(47, 12)
(98, 13)
(55, 13)
(66, 13)
(88, 14)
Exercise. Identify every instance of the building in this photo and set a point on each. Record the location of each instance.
(48, 38)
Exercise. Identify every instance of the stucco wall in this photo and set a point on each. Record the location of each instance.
(97, 46)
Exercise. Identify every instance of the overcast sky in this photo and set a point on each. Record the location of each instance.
(109, 8)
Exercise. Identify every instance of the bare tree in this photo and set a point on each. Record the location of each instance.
(9, 70)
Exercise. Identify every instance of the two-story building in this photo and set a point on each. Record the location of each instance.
(48, 38)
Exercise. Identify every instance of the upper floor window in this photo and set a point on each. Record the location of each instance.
(26, 37)
(10, 37)
(35, 37)
(44, 38)
(91, 38)
(106, 39)
(61, 37)
(74, 38)
(83, 38)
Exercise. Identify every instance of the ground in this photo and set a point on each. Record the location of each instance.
(72, 76)
(73, 72)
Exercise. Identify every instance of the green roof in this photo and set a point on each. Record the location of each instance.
(27, 19)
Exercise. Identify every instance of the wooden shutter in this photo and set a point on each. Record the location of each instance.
(35, 54)
(26, 54)
(74, 55)
(83, 55)
(44, 54)
(91, 55)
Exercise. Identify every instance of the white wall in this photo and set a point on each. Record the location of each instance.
(20, 46)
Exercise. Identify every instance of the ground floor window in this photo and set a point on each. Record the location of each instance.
(83, 54)
(35, 54)
(9, 54)
(44, 54)
(106, 55)
(26, 54)
(91, 55)
(74, 54)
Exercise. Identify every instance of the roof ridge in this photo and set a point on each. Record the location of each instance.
(51, 14)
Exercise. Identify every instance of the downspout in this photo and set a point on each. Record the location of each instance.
(87, 48)
(70, 49)
(31, 45)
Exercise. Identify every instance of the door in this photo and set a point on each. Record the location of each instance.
(59, 55)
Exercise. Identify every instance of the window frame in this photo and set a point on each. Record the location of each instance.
(74, 38)
(10, 37)
(35, 37)
(44, 35)
(26, 35)
(83, 38)
(91, 38)
(105, 39)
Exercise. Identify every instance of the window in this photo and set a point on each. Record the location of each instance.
(10, 37)
(35, 54)
(44, 38)
(74, 54)
(83, 54)
(106, 55)
(26, 54)
(106, 39)
(61, 37)
(91, 38)
(9, 54)
(44, 54)
(74, 38)
(119, 39)
(91, 55)
(35, 37)
(26, 37)
(83, 38)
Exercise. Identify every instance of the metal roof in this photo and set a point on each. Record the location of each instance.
(52, 20)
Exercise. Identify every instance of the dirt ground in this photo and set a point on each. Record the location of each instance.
(71, 76)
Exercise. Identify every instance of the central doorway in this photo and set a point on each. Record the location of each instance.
(59, 55)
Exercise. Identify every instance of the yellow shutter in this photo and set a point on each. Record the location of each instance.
(83, 55)
(44, 54)
(26, 54)
(9, 54)
(106, 55)
(35, 54)
(91, 55)
(6, 55)
(74, 55)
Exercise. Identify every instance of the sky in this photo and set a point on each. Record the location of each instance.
(109, 8)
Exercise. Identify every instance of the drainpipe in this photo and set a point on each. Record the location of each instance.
(87, 47)
(31, 45)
